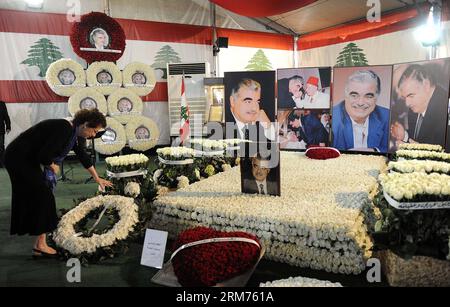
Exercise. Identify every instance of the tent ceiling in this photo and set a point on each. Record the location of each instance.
(320, 14)
(328, 13)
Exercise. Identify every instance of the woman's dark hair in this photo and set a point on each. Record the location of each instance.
(93, 118)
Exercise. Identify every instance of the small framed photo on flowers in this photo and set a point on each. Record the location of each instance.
(260, 174)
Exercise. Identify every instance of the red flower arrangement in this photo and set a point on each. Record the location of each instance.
(208, 264)
(81, 33)
(322, 153)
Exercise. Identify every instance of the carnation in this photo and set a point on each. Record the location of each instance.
(183, 182)
(132, 189)
(209, 170)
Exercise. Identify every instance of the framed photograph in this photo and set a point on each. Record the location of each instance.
(138, 78)
(66, 77)
(301, 128)
(99, 39)
(142, 133)
(109, 136)
(260, 174)
(124, 105)
(250, 105)
(104, 77)
(420, 93)
(361, 108)
(88, 103)
(303, 88)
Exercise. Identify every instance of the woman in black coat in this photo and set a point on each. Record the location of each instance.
(31, 164)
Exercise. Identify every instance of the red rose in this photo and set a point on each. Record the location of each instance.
(211, 263)
(322, 153)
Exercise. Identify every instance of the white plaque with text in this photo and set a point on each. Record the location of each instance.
(154, 248)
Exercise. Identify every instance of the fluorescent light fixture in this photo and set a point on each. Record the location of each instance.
(34, 4)
(430, 33)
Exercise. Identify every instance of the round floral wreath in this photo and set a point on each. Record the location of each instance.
(66, 238)
(107, 70)
(149, 136)
(87, 98)
(113, 140)
(124, 105)
(80, 33)
(65, 71)
(139, 72)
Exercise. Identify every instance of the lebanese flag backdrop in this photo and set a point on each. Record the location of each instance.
(30, 100)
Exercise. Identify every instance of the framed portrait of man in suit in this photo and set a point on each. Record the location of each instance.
(420, 92)
(361, 108)
(250, 106)
(260, 174)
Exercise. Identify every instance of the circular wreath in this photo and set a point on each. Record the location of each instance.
(140, 78)
(65, 77)
(106, 77)
(113, 140)
(66, 237)
(87, 98)
(124, 105)
(142, 133)
(80, 37)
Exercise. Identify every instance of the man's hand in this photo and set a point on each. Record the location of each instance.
(264, 119)
(398, 131)
(292, 137)
(55, 168)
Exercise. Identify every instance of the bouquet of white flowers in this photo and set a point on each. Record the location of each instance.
(129, 176)
(175, 163)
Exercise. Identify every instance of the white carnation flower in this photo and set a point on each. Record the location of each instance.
(132, 189)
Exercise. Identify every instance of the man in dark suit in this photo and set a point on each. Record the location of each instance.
(427, 103)
(358, 122)
(5, 126)
(262, 178)
(306, 126)
(290, 92)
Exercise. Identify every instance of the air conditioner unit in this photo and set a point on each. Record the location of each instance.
(194, 73)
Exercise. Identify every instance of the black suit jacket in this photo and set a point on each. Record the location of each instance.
(4, 118)
(43, 143)
(250, 187)
(434, 123)
(285, 100)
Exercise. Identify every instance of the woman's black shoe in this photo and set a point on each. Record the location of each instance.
(38, 254)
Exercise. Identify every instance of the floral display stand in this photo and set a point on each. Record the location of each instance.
(419, 271)
(319, 222)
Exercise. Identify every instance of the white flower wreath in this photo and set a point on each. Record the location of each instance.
(139, 78)
(113, 140)
(65, 77)
(87, 98)
(124, 105)
(142, 133)
(106, 77)
(65, 236)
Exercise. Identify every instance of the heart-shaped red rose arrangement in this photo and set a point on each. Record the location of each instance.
(322, 153)
(211, 263)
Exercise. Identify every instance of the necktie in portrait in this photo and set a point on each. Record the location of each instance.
(418, 125)
(261, 189)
